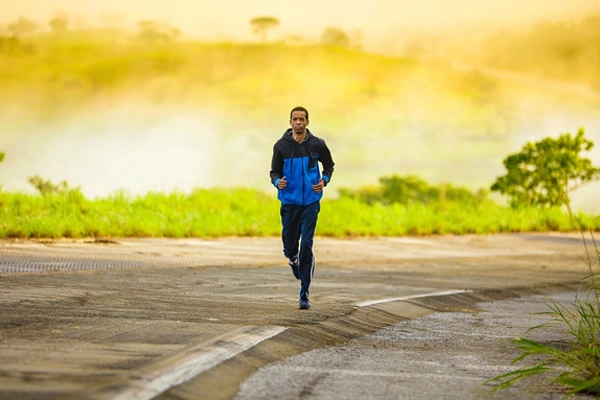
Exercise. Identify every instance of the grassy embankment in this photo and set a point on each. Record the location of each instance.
(46, 77)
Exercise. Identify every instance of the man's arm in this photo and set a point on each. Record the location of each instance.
(327, 162)
(276, 167)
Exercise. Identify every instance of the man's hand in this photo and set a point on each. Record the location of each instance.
(319, 186)
(282, 183)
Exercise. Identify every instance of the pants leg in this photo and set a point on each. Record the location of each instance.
(308, 225)
(298, 230)
(290, 229)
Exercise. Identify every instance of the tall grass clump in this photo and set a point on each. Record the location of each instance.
(572, 365)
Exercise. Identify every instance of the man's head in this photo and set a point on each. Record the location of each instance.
(299, 108)
(299, 119)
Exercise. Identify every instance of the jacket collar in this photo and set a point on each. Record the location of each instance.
(288, 135)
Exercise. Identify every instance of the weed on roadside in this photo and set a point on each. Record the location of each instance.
(574, 365)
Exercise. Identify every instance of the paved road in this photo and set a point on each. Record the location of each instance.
(214, 319)
(443, 355)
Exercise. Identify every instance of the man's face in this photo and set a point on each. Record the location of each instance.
(298, 122)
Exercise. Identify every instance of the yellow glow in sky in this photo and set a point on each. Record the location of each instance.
(228, 19)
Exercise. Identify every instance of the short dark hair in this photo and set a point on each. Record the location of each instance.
(299, 108)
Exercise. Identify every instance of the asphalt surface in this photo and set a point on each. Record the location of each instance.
(391, 318)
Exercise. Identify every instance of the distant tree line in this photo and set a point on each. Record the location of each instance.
(151, 31)
(13, 34)
(331, 36)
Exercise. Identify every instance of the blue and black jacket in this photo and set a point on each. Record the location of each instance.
(299, 163)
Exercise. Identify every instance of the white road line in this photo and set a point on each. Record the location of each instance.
(156, 379)
(413, 296)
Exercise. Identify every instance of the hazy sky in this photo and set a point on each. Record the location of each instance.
(229, 19)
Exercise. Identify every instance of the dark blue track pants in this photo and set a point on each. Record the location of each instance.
(298, 231)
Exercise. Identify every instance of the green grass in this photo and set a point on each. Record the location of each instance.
(202, 213)
(247, 212)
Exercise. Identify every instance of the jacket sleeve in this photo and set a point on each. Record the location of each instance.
(276, 166)
(327, 162)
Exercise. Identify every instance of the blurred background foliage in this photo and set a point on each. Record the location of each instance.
(71, 65)
(445, 109)
(563, 50)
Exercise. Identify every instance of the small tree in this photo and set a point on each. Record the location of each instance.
(335, 37)
(157, 32)
(261, 25)
(47, 187)
(546, 172)
(60, 22)
(12, 45)
(22, 27)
